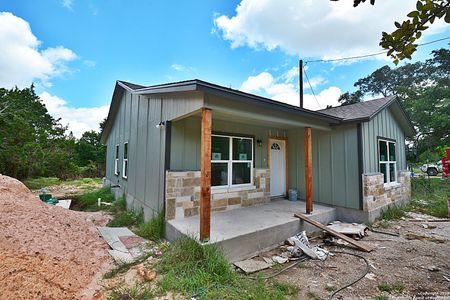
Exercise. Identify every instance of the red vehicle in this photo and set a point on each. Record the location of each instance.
(446, 164)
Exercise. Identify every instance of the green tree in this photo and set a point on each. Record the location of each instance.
(350, 98)
(91, 153)
(424, 90)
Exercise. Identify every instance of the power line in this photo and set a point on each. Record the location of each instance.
(372, 54)
(310, 87)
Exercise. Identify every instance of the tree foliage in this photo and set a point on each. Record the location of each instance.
(424, 90)
(33, 143)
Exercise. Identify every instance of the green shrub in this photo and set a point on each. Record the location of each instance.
(153, 229)
(390, 287)
(393, 212)
(41, 182)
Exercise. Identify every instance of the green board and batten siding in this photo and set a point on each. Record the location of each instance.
(185, 143)
(335, 165)
(382, 125)
(135, 123)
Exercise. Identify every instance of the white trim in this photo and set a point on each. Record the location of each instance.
(388, 162)
(232, 161)
(125, 161)
(116, 160)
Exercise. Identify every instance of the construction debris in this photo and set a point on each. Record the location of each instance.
(354, 230)
(301, 245)
(125, 246)
(335, 233)
(252, 265)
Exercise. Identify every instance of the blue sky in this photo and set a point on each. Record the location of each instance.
(75, 50)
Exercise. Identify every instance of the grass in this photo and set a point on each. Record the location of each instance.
(139, 291)
(41, 182)
(428, 196)
(88, 200)
(126, 219)
(391, 287)
(202, 271)
(153, 229)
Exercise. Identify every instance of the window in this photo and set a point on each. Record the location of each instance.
(125, 161)
(387, 160)
(116, 161)
(231, 160)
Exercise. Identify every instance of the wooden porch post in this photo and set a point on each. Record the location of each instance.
(205, 168)
(308, 170)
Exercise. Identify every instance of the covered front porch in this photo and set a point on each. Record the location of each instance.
(244, 232)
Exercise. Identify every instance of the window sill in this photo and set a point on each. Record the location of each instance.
(391, 185)
(221, 190)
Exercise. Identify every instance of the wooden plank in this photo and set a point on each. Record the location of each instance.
(308, 170)
(205, 177)
(335, 233)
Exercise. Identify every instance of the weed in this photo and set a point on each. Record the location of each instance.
(153, 229)
(118, 206)
(330, 288)
(126, 219)
(88, 201)
(285, 287)
(391, 287)
(139, 291)
(382, 297)
(393, 212)
(203, 271)
(429, 196)
(313, 296)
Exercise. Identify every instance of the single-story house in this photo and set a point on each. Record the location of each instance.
(190, 148)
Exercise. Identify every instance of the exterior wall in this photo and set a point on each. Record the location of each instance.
(335, 165)
(382, 125)
(377, 195)
(135, 123)
(183, 194)
(185, 141)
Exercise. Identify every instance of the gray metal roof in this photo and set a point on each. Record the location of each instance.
(132, 86)
(359, 111)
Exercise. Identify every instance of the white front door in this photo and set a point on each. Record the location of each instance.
(277, 167)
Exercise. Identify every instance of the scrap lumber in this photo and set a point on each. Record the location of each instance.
(335, 233)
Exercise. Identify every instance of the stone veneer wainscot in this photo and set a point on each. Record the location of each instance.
(376, 194)
(183, 193)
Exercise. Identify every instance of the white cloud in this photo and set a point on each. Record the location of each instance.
(79, 119)
(283, 90)
(67, 4)
(311, 28)
(21, 60)
(178, 67)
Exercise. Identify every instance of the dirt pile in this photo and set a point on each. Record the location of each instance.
(46, 252)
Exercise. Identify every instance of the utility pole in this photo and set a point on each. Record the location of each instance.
(300, 79)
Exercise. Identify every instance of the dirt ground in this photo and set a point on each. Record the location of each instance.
(47, 252)
(418, 265)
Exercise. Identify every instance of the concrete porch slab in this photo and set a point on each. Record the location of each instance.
(244, 232)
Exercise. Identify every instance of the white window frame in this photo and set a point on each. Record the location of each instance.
(387, 162)
(230, 162)
(116, 160)
(125, 161)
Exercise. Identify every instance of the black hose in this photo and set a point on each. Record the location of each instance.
(354, 281)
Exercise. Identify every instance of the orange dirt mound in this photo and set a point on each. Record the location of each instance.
(46, 252)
